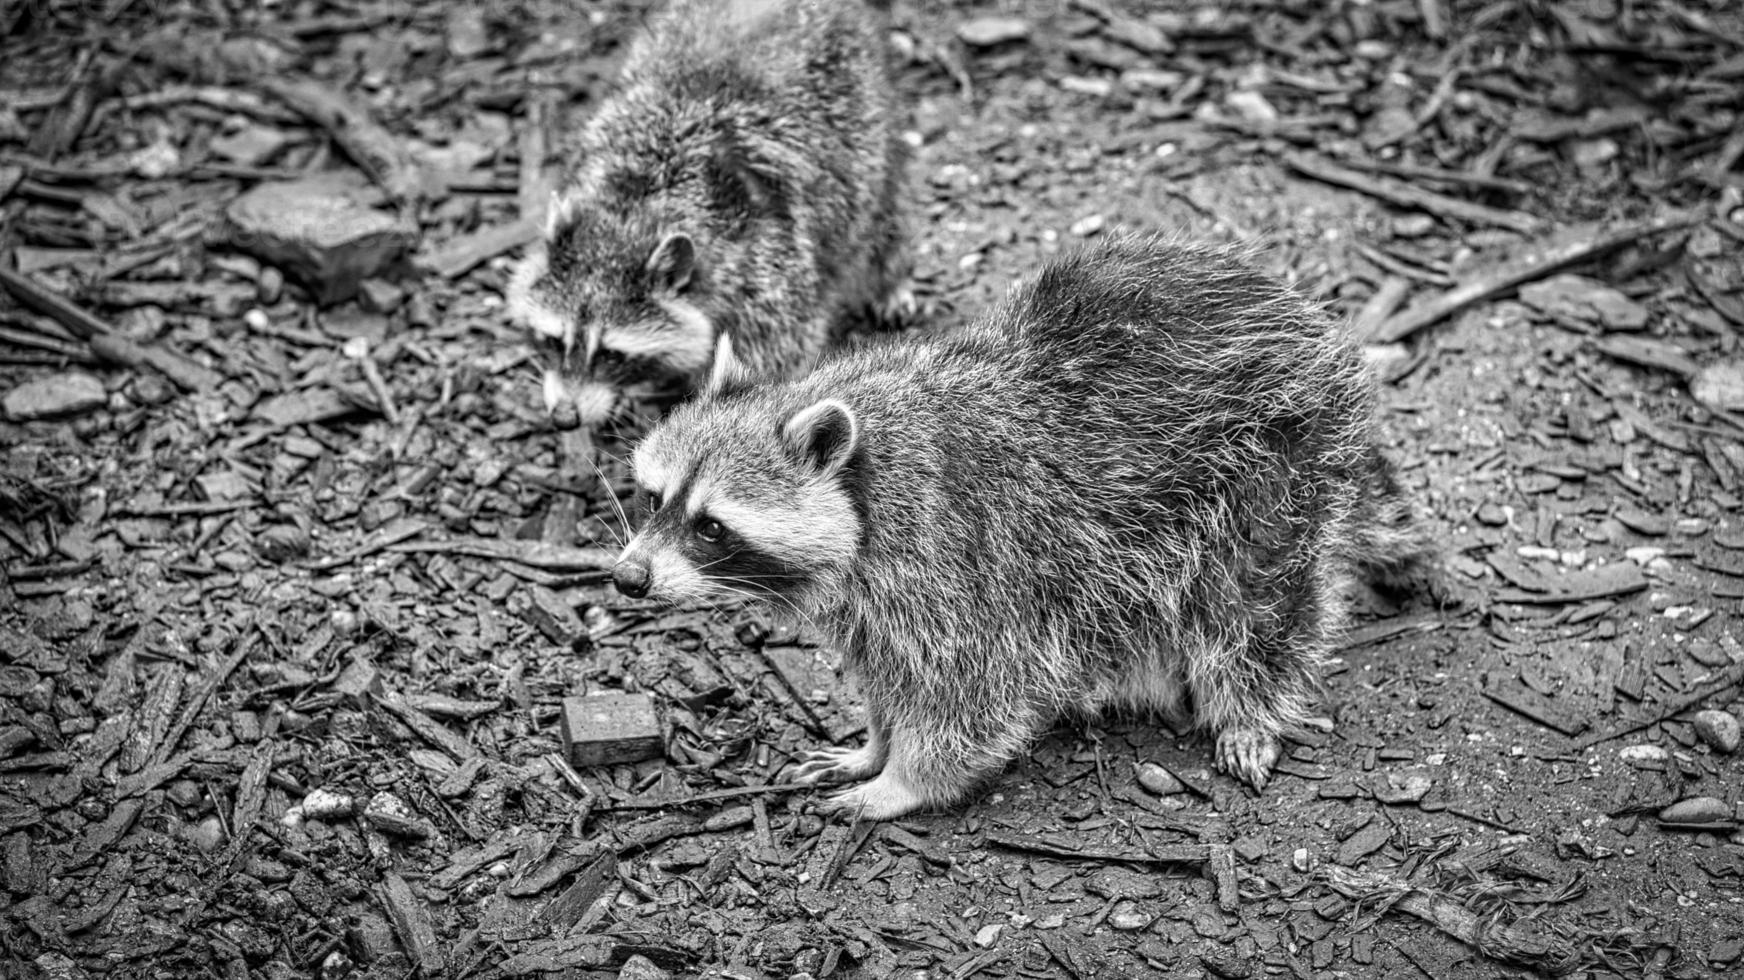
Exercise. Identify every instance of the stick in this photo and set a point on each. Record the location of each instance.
(1413, 197)
(1158, 854)
(1489, 935)
(371, 147)
(1544, 259)
(105, 343)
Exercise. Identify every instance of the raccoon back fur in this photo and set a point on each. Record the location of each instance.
(743, 179)
(1140, 482)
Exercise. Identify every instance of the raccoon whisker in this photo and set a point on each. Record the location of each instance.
(617, 505)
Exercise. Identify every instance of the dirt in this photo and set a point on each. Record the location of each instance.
(293, 591)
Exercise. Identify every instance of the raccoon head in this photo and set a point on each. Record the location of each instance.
(613, 301)
(746, 494)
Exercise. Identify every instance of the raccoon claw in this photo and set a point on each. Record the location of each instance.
(1248, 754)
(837, 765)
(884, 798)
(897, 310)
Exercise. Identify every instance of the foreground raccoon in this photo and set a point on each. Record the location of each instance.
(1141, 482)
(743, 180)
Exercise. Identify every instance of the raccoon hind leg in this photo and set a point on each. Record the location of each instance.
(1253, 676)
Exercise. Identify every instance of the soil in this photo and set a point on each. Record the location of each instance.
(295, 575)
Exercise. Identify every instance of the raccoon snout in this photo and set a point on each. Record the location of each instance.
(632, 578)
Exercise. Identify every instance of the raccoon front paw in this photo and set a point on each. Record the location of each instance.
(838, 765)
(884, 798)
(898, 309)
(1248, 754)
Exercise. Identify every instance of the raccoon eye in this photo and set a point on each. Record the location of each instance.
(607, 358)
(710, 530)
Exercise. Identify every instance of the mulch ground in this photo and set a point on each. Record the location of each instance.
(296, 578)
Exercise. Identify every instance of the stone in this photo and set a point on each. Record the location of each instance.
(639, 967)
(1719, 386)
(323, 230)
(392, 815)
(1719, 729)
(71, 393)
(987, 32)
(1696, 810)
(1156, 779)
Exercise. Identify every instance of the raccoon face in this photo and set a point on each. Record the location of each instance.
(739, 508)
(615, 311)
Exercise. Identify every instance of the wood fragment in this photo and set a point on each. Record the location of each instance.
(1408, 195)
(411, 919)
(1534, 707)
(607, 729)
(209, 684)
(250, 799)
(1542, 259)
(1725, 681)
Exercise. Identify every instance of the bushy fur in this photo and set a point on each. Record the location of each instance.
(1140, 482)
(745, 178)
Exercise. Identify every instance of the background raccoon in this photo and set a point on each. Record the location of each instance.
(744, 179)
(1141, 481)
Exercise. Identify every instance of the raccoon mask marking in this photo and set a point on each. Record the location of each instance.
(609, 327)
(737, 508)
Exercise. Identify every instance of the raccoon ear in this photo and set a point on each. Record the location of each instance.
(822, 436)
(672, 262)
(727, 372)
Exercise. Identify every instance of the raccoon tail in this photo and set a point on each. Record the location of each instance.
(1388, 545)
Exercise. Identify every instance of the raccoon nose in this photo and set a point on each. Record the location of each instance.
(631, 578)
(565, 416)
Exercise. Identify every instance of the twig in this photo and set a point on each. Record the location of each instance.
(538, 554)
(371, 147)
(461, 255)
(711, 796)
(1509, 942)
(1544, 259)
(213, 681)
(1387, 189)
(1158, 854)
(1726, 680)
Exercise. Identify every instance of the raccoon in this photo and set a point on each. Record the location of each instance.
(1140, 482)
(745, 180)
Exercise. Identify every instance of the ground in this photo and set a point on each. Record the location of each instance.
(297, 575)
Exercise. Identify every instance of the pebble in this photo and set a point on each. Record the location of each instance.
(324, 804)
(1088, 226)
(1301, 860)
(1404, 788)
(1635, 754)
(1696, 809)
(1719, 729)
(1126, 917)
(987, 935)
(1719, 386)
(639, 967)
(987, 32)
(1156, 779)
(392, 815)
(72, 393)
